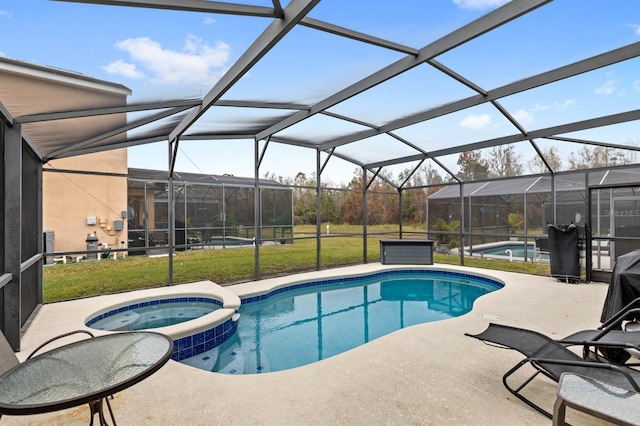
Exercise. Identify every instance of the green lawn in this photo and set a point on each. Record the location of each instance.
(90, 278)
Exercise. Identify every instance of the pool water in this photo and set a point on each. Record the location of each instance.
(307, 325)
(153, 315)
(517, 251)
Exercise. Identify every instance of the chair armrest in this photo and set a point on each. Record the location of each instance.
(588, 364)
(59, 337)
(622, 313)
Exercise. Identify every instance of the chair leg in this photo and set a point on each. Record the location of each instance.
(559, 412)
(516, 392)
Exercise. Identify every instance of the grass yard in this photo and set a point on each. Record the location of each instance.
(90, 278)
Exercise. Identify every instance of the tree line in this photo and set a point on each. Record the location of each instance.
(344, 204)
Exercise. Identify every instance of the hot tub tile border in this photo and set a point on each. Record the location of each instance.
(189, 346)
(151, 303)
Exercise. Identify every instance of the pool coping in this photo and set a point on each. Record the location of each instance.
(391, 380)
(348, 279)
(266, 286)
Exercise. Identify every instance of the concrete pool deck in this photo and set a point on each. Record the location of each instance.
(427, 374)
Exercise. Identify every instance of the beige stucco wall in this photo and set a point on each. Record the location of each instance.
(69, 198)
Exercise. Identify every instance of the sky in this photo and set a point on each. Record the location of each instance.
(164, 55)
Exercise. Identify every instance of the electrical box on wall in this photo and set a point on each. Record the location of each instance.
(117, 225)
(91, 220)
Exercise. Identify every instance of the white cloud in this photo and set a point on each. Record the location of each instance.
(124, 69)
(636, 85)
(556, 105)
(523, 117)
(476, 121)
(198, 62)
(607, 88)
(209, 21)
(636, 28)
(479, 4)
(564, 105)
(5, 14)
(540, 107)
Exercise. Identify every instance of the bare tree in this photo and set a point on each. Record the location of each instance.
(551, 155)
(504, 161)
(598, 156)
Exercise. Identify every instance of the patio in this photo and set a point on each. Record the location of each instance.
(425, 374)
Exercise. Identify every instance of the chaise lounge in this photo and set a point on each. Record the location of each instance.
(552, 359)
(615, 344)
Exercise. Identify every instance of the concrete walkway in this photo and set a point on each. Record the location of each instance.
(428, 374)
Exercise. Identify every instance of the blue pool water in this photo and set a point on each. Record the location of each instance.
(154, 314)
(517, 250)
(302, 326)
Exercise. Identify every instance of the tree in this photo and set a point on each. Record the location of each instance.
(414, 201)
(472, 166)
(504, 161)
(598, 156)
(551, 155)
(304, 199)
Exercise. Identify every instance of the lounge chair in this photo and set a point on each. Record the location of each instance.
(552, 358)
(615, 344)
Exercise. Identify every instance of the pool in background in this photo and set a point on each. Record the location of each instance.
(508, 250)
(302, 323)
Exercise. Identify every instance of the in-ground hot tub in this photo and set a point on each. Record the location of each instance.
(154, 313)
(196, 322)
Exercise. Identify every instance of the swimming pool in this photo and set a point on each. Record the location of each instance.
(154, 314)
(307, 322)
(507, 250)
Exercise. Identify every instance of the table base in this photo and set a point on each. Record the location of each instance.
(97, 407)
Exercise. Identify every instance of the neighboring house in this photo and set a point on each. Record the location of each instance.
(97, 193)
(71, 201)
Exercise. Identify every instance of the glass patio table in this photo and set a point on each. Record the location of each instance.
(84, 372)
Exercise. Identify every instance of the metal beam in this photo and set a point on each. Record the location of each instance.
(5, 117)
(505, 140)
(358, 36)
(12, 238)
(63, 115)
(486, 23)
(277, 7)
(126, 144)
(188, 6)
(576, 68)
(595, 143)
(606, 120)
(446, 169)
(260, 104)
(509, 117)
(451, 73)
(293, 13)
(541, 155)
(138, 123)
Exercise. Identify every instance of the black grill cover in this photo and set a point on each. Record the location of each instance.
(624, 286)
(564, 254)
